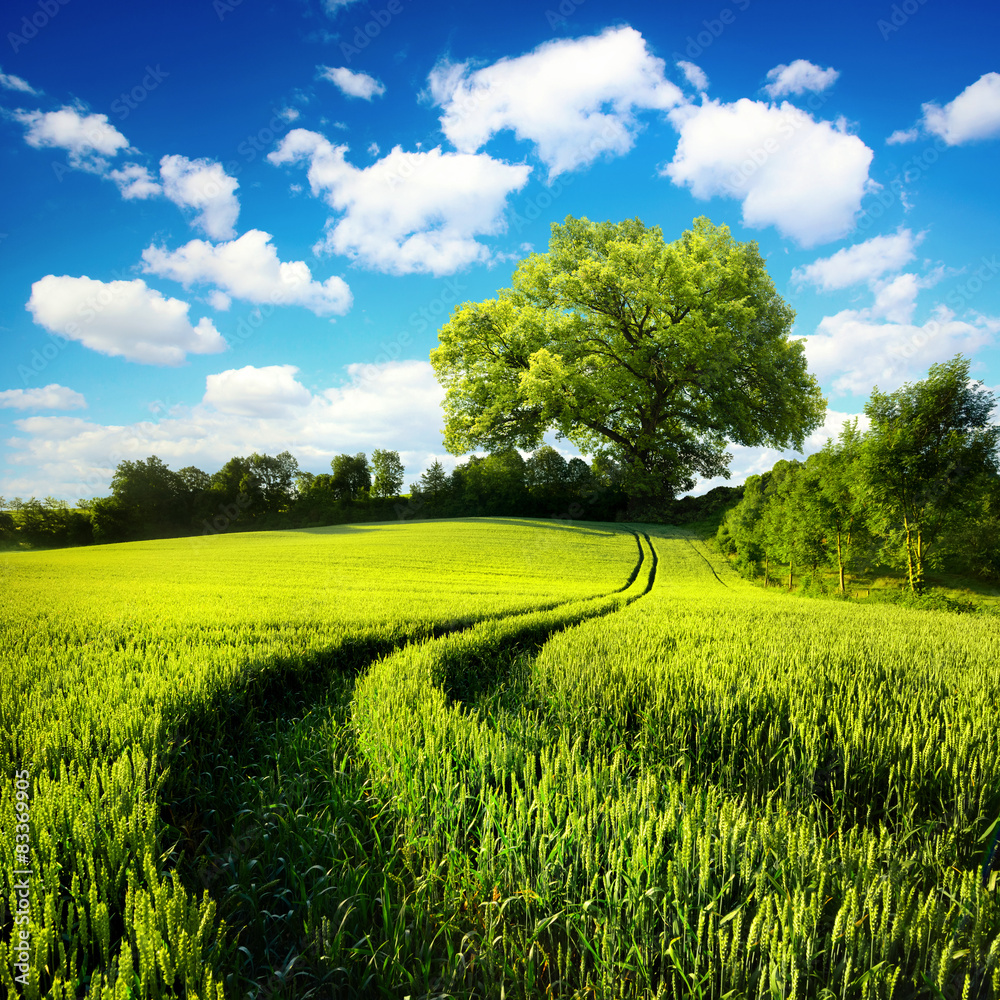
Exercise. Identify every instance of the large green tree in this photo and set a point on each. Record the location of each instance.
(925, 463)
(653, 354)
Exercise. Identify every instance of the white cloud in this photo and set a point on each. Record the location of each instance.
(574, 98)
(408, 212)
(694, 75)
(902, 136)
(256, 392)
(333, 7)
(248, 268)
(50, 397)
(861, 262)
(352, 84)
(289, 114)
(90, 140)
(373, 148)
(805, 177)
(121, 318)
(798, 77)
(135, 181)
(754, 461)
(202, 185)
(396, 406)
(881, 344)
(974, 114)
(10, 82)
(857, 351)
(896, 298)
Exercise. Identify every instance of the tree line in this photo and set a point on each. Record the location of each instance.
(150, 500)
(919, 490)
(259, 492)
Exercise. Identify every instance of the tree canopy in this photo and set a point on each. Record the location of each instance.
(919, 489)
(650, 354)
(930, 449)
(389, 471)
(352, 477)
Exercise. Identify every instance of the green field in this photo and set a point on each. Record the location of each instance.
(487, 757)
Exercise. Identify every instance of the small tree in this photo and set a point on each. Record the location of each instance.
(782, 525)
(148, 492)
(925, 460)
(546, 474)
(352, 479)
(840, 506)
(741, 531)
(388, 469)
(273, 479)
(434, 483)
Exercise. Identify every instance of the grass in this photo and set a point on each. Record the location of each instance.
(498, 758)
(121, 663)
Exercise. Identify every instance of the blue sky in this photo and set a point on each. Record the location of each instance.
(233, 226)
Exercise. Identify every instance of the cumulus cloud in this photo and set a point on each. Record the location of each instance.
(803, 176)
(857, 351)
(256, 392)
(798, 77)
(896, 298)
(398, 402)
(974, 114)
(89, 140)
(694, 75)
(901, 136)
(881, 344)
(573, 98)
(333, 7)
(407, 212)
(50, 397)
(205, 187)
(352, 84)
(753, 461)
(248, 268)
(860, 262)
(135, 181)
(124, 319)
(10, 82)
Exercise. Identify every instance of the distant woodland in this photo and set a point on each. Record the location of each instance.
(257, 492)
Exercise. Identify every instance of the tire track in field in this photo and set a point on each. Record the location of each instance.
(707, 563)
(652, 572)
(637, 567)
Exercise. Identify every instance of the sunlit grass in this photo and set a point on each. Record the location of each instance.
(495, 762)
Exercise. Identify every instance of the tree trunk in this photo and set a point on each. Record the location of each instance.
(766, 563)
(919, 562)
(909, 554)
(790, 569)
(840, 562)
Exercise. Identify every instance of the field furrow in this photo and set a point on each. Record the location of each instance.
(541, 781)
